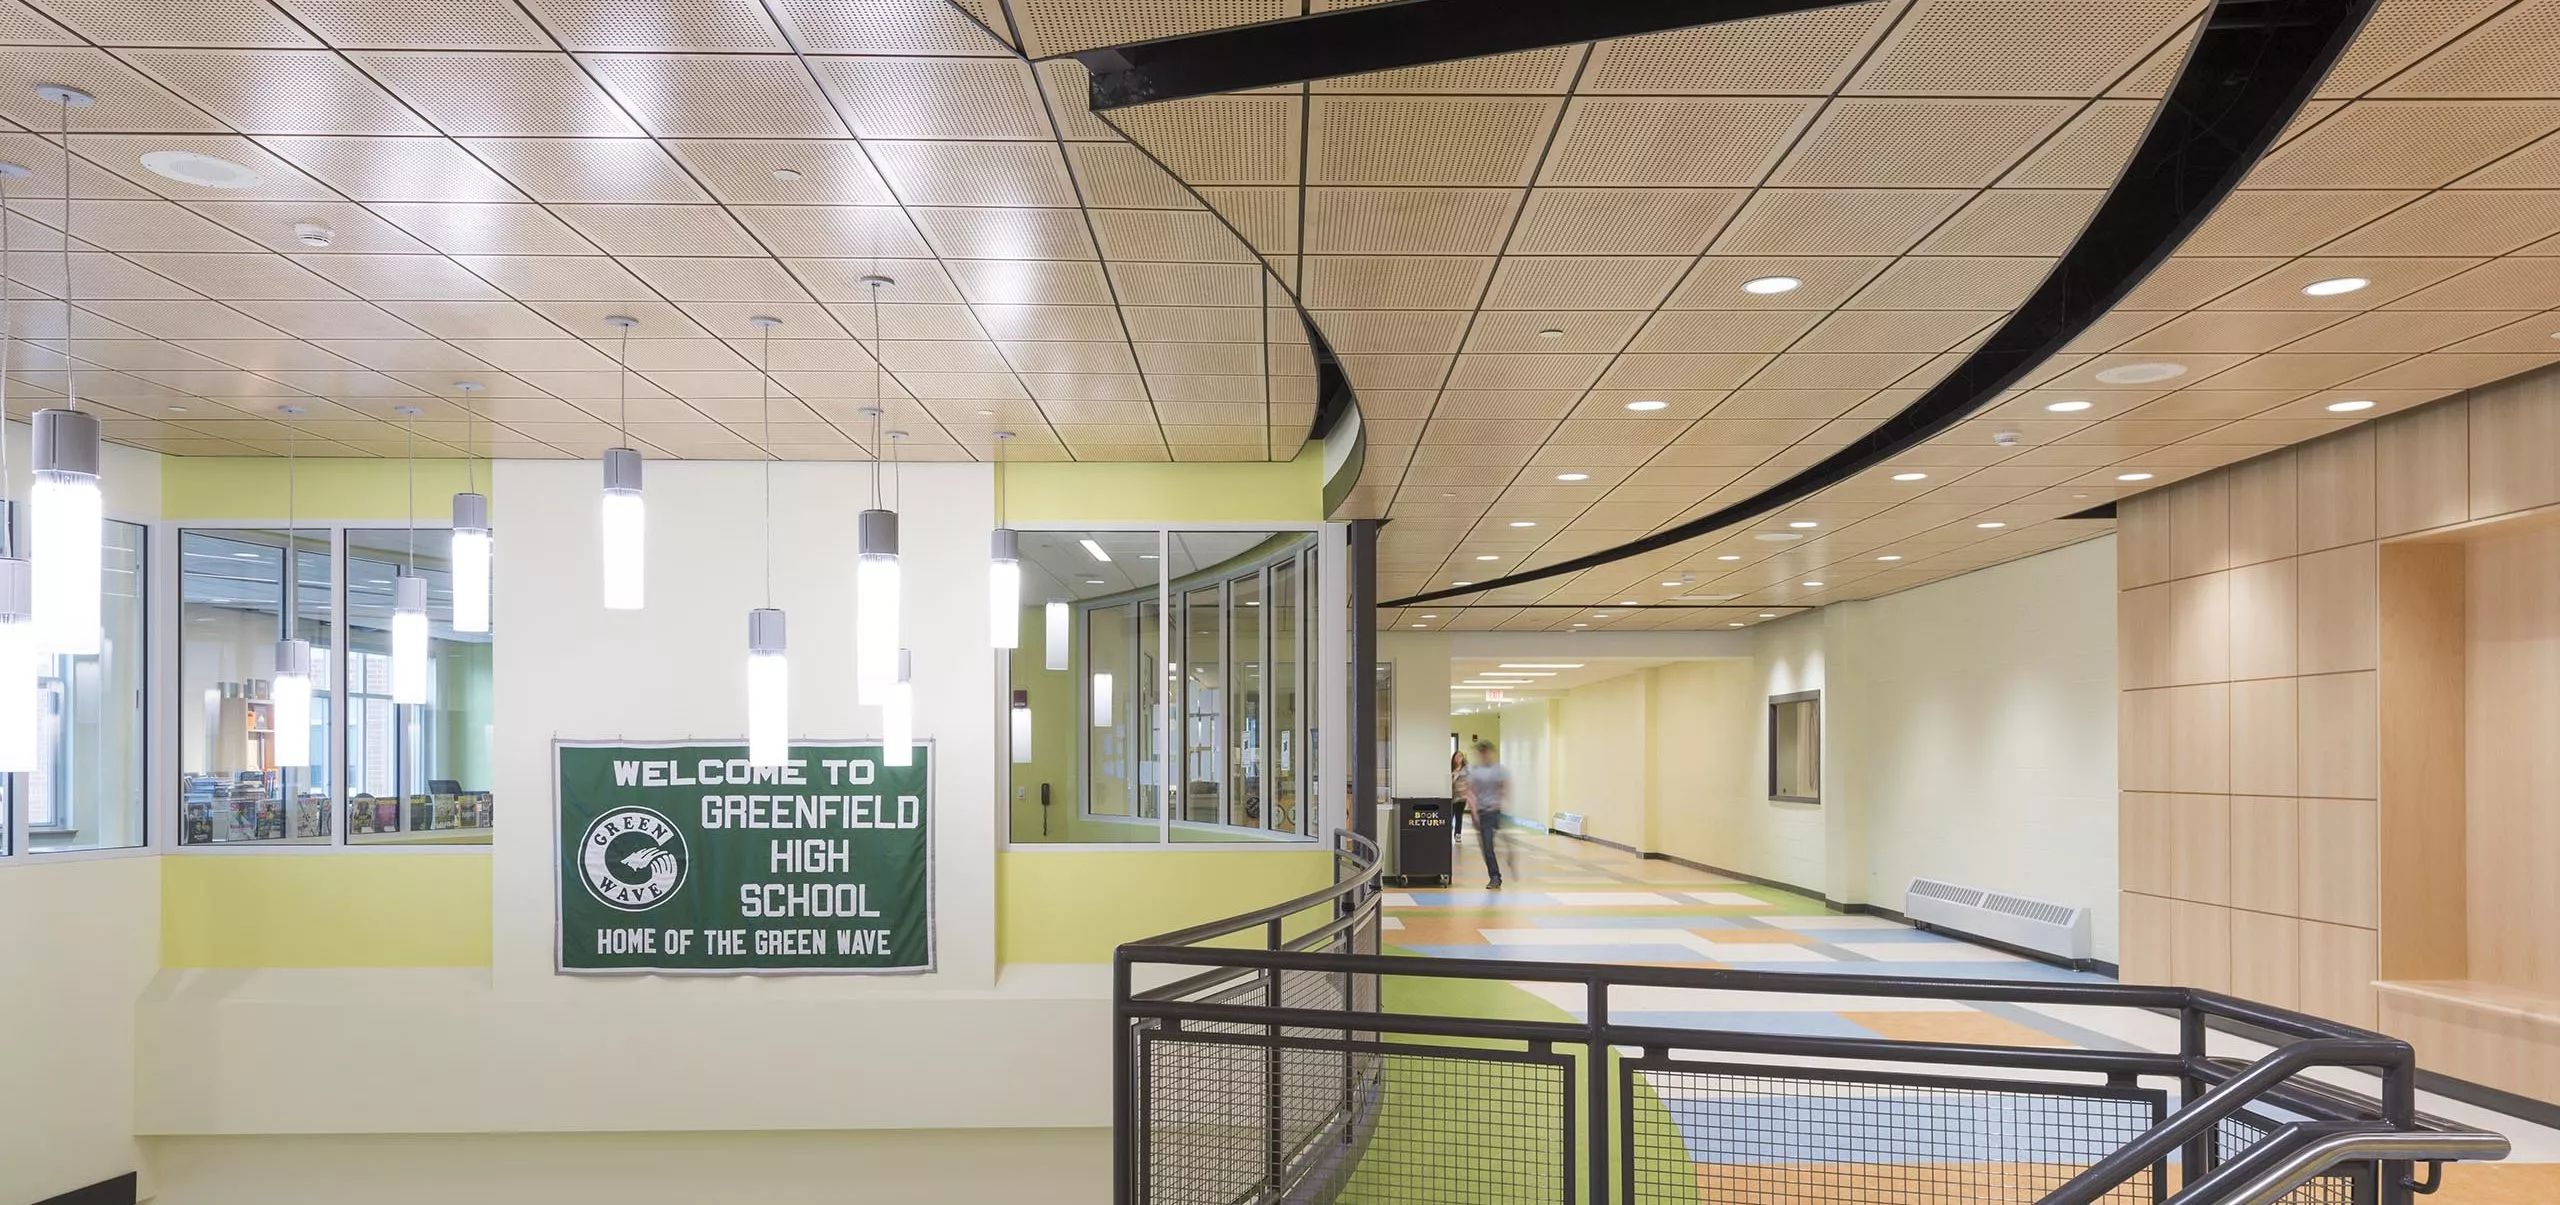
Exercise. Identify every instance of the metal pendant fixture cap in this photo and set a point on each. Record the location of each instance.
(622, 469)
(765, 631)
(409, 593)
(17, 589)
(906, 665)
(875, 533)
(471, 512)
(293, 657)
(65, 441)
(1004, 544)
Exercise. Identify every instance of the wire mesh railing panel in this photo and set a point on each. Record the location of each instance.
(1757, 1135)
(1457, 1127)
(1206, 1141)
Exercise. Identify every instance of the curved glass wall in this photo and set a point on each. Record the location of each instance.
(1142, 730)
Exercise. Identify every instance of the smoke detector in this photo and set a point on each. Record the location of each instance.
(2006, 439)
(313, 234)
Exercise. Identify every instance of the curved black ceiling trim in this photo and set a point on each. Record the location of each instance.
(1382, 37)
(2249, 71)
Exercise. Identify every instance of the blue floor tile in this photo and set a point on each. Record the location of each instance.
(1661, 953)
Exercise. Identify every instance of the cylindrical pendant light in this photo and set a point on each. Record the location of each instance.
(66, 521)
(18, 712)
(292, 697)
(1021, 714)
(898, 717)
(1004, 588)
(1056, 614)
(768, 689)
(1004, 568)
(65, 511)
(875, 604)
(1102, 700)
(626, 517)
(768, 668)
(470, 534)
(409, 639)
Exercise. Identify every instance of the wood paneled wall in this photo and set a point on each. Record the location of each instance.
(2250, 612)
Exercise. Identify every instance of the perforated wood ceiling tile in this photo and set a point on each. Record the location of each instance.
(2223, 331)
(2285, 370)
(500, 94)
(1120, 176)
(405, 24)
(2016, 221)
(486, 229)
(1412, 221)
(660, 229)
(1051, 27)
(2090, 152)
(870, 232)
(708, 26)
(1418, 331)
(1791, 54)
(21, 25)
(466, 320)
(1266, 217)
(2458, 223)
(2507, 55)
(1528, 282)
(1546, 71)
(2404, 144)
(1716, 282)
(976, 173)
(951, 98)
(824, 172)
(889, 27)
(2514, 282)
(1927, 331)
(2262, 221)
(1217, 140)
(2392, 278)
(394, 169)
(1980, 48)
(2453, 370)
(1643, 373)
(718, 96)
(2159, 73)
(2528, 334)
(1837, 221)
(2185, 282)
(1017, 282)
(1919, 142)
(1677, 142)
(1498, 370)
(593, 170)
(1427, 140)
(1193, 236)
(1056, 322)
(280, 91)
(1395, 282)
(223, 23)
(559, 278)
(1553, 330)
(126, 99)
(1953, 283)
(1005, 233)
(1622, 221)
(135, 226)
(401, 277)
(1186, 284)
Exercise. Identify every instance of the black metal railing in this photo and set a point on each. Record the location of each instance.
(1257, 1062)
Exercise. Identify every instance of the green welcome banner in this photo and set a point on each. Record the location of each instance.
(684, 859)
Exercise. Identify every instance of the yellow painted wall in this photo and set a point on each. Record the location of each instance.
(1076, 905)
(324, 489)
(1225, 492)
(325, 910)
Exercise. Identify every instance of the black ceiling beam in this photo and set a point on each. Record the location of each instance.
(2251, 68)
(1382, 37)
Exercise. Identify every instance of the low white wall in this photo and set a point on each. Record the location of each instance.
(80, 940)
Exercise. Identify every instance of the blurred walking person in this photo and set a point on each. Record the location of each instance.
(1488, 792)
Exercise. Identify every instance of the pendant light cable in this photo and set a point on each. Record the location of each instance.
(70, 364)
(622, 410)
(764, 369)
(8, 327)
(879, 394)
(412, 413)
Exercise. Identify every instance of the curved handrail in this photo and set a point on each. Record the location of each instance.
(2368, 1146)
(1360, 848)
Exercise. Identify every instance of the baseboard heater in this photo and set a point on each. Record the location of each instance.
(2054, 930)
(1568, 823)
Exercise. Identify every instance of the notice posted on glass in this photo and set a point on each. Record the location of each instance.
(685, 859)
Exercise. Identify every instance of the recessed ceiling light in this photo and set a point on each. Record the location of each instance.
(1095, 581)
(1422, 625)
(986, 414)
(1599, 614)
(2350, 407)
(1735, 624)
(1768, 615)
(1551, 333)
(1146, 556)
(1802, 523)
(1573, 476)
(1488, 557)
(1462, 583)
(1813, 585)
(1626, 602)
(1647, 405)
(1911, 476)
(2133, 476)
(1729, 557)
(784, 173)
(1542, 665)
(1767, 285)
(2141, 374)
(188, 167)
(1777, 537)
(1523, 523)
(1888, 558)
(1990, 526)
(1671, 584)
(2334, 286)
(1582, 625)
(2074, 406)
(1095, 549)
(177, 409)
(1431, 617)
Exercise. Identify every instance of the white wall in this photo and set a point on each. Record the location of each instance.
(1991, 745)
(1421, 762)
(79, 941)
(515, 1047)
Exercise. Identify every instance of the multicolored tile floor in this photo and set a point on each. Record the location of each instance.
(1572, 901)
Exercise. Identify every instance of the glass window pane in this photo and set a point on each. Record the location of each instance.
(232, 598)
(1244, 695)
(1087, 774)
(1111, 724)
(86, 791)
(1203, 739)
(416, 773)
(1285, 742)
